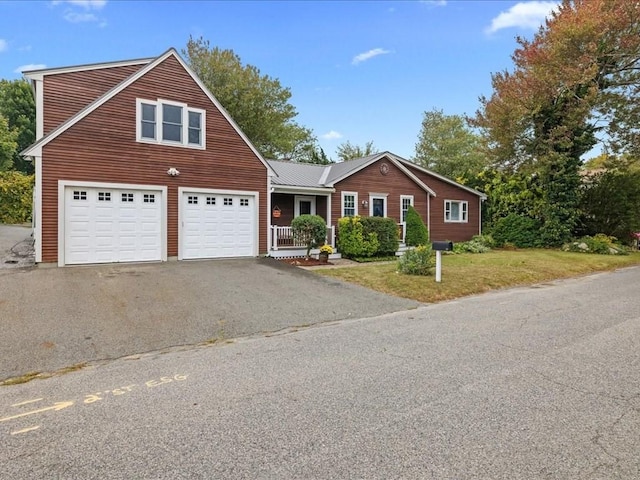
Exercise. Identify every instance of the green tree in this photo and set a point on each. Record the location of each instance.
(610, 204)
(258, 103)
(315, 154)
(448, 146)
(579, 75)
(18, 107)
(8, 145)
(310, 230)
(417, 233)
(346, 151)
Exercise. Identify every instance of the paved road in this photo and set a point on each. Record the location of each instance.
(56, 317)
(533, 383)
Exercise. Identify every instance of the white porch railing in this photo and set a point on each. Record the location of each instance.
(282, 237)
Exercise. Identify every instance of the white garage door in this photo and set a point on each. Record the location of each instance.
(106, 225)
(218, 225)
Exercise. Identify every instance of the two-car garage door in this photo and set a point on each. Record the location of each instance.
(113, 224)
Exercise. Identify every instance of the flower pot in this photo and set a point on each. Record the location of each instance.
(323, 257)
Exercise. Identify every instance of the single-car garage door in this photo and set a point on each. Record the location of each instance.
(106, 225)
(217, 225)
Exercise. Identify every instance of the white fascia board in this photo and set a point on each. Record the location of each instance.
(41, 73)
(295, 190)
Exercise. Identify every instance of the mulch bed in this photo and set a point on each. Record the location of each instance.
(304, 262)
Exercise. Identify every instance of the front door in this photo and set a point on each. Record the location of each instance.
(305, 205)
(378, 206)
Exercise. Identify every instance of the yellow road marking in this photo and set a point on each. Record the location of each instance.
(26, 402)
(57, 406)
(25, 430)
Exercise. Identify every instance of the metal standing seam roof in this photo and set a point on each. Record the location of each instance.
(297, 174)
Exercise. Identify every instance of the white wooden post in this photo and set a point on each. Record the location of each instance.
(438, 266)
(274, 232)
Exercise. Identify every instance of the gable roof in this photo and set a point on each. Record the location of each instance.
(36, 148)
(39, 73)
(307, 175)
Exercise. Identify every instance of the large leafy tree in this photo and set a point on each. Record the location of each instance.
(347, 151)
(258, 103)
(8, 145)
(580, 75)
(18, 107)
(447, 145)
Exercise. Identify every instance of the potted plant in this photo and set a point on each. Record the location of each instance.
(325, 251)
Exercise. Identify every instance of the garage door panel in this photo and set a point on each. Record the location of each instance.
(105, 225)
(216, 225)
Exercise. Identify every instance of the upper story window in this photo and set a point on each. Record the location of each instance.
(170, 123)
(455, 211)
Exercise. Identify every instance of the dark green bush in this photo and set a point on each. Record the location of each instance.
(417, 233)
(517, 230)
(16, 197)
(386, 231)
(352, 241)
(310, 230)
(417, 261)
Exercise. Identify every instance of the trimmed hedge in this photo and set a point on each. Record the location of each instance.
(386, 231)
(417, 233)
(352, 241)
(16, 197)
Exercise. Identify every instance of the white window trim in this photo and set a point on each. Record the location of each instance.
(464, 211)
(382, 196)
(402, 198)
(296, 204)
(355, 203)
(185, 124)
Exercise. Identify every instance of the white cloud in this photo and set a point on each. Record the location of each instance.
(30, 66)
(435, 3)
(528, 15)
(75, 17)
(3, 45)
(26, 48)
(362, 57)
(331, 135)
(86, 4)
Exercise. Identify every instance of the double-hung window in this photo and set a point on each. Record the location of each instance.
(170, 123)
(349, 204)
(456, 211)
(406, 201)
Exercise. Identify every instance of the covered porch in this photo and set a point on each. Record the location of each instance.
(288, 203)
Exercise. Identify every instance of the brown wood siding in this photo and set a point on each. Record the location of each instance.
(284, 202)
(441, 230)
(65, 94)
(102, 148)
(370, 180)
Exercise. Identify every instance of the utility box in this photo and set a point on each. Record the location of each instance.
(442, 246)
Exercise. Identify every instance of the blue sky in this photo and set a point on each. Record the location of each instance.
(358, 71)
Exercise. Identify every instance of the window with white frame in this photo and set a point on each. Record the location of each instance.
(405, 202)
(170, 123)
(349, 204)
(456, 211)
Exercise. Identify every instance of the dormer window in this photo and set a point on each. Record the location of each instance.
(170, 123)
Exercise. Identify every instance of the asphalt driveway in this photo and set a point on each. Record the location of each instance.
(16, 246)
(57, 317)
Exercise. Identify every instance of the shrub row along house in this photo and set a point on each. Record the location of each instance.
(137, 161)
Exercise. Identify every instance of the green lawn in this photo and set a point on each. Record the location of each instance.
(467, 274)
